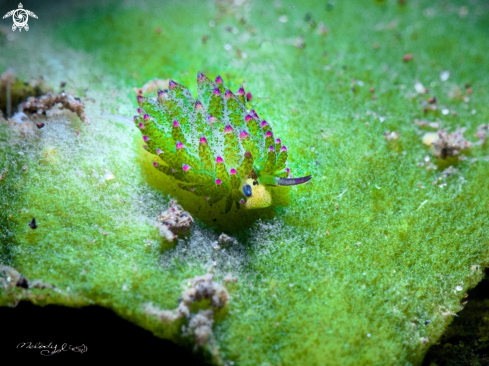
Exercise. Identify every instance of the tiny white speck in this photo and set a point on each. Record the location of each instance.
(445, 111)
(228, 47)
(244, 55)
(309, 289)
(458, 288)
(368, 335)
(473, 111)
(444, 75)
(364, 273)
(283, 19)
(109, 175)
(420, 89)
(291, 285)
(212, 23)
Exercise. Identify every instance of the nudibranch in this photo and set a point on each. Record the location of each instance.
(214, 146)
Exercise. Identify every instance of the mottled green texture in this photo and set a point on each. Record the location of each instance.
(362, 250)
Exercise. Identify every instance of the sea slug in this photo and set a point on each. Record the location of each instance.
(214, 146)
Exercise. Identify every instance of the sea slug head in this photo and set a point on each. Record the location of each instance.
(257, 195)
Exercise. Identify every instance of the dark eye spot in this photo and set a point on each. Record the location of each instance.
(255, 182)
(247, 190)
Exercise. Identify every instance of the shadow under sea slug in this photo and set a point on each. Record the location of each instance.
(214, 146)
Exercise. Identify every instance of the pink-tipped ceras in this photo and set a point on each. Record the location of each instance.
(214, 146)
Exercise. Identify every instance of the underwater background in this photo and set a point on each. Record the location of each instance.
(384, 103)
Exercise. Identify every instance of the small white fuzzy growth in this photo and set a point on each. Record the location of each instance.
(204, 288)
(200, 324)
(165, 316)
(8, 277)
(174, 221)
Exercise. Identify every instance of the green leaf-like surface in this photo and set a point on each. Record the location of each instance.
(344, 270)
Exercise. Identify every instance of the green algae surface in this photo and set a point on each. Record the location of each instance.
(345, 270)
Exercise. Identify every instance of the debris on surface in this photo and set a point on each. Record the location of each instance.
(39, 106)
(421, 123)
(202, 288)
(450, 144)
(22, 282)
(230, 278)
(41, 285)
(420, 89)
(174, 221)
(391, 135)
(430, 105)
(224, 240)
(3, 174)
(407, 57)
(300, 42)
(21, 124)
(216, 246)
(153, 86)
(200, 326)
(482, 132)
(11, 278)
(429, 165)
(450, 171)
(429, 138)
(33, 224)
(13, 91)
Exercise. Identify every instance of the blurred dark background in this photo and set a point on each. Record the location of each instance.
(106, 336)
